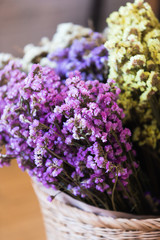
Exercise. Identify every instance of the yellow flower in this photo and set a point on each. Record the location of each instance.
(134, 59)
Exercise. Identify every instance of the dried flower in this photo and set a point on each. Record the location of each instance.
(65, 127)
(69, 135)
(65, 34)
(87, 55)
(134, 59)
(133, 45)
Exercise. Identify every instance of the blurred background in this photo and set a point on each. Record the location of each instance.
(23, 22)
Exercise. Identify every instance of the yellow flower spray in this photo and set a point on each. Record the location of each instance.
(134, 60)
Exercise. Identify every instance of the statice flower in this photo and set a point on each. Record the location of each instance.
(87, 55)
(69, 136)
(134, 60)
(11, 80)
(64, 36)
(5, 58)
(93, 126)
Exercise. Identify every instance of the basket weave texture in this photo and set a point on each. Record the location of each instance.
(64, 222)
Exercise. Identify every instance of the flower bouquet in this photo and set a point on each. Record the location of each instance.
(81, 114)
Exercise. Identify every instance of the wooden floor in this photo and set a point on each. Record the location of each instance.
(20, 217)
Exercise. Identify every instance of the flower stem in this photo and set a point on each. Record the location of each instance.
(113, 191)
(57, 156)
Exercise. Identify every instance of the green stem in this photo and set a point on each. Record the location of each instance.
(88, 142)
(128, 195)
(89, 196)
(48, 128)
(135, 171)
(113, 191)
(57, 156)
(57, 126)
(103, 204)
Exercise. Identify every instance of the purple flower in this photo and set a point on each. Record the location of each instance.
(87, 55)
(69, 135)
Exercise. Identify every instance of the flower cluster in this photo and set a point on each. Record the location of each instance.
(87, 55)
(63, 38)
(64, 122)
(11, 79)
(134, 59)
(5, 58)
(68, 135)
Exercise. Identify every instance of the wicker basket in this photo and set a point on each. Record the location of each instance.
(65, 222)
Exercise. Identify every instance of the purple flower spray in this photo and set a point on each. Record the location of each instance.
(70, 136)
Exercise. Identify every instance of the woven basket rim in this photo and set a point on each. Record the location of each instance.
(90, 218)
